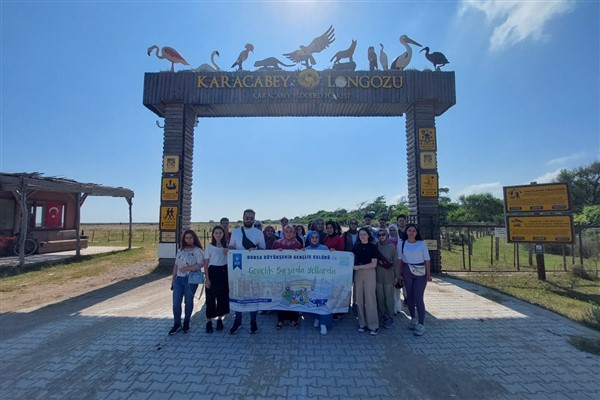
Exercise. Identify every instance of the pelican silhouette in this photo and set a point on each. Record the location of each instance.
(403, 59)
(209, 68)
(436, 58)
(383, 59)
(170, 54)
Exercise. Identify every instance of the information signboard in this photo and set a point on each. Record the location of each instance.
(537, 198)
(540, 229)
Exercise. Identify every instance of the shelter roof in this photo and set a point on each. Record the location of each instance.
(36, 181)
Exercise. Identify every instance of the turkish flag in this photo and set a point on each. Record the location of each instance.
(54, 212)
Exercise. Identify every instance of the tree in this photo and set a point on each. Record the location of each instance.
(589, 216)
(482, 208)
(447, 208)
(584, 183)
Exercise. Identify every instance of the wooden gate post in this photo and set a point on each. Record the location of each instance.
(421, 157)
(176, 180)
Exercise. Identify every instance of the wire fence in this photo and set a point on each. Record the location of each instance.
(463, 247)
(477, 248)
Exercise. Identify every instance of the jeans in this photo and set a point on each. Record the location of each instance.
(181, 289)
(415, 290)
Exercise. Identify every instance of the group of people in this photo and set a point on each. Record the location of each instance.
(387, 260)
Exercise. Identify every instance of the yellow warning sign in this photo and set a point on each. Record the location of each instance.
(427, 139)
(170, 189)
(168, 218)
(429, 185)
(537, 198)
(540, 229)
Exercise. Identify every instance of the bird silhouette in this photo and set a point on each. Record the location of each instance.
(209, 68)
(437, 59)
(383, 59)
(243, 56)
(170, 54)
(403, 59)
(372, 58)
(304, 53)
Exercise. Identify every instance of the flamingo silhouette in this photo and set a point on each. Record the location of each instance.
(170, 54)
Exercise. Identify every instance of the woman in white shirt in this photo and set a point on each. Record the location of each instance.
(416, 272)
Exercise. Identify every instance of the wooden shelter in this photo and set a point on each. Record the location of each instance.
(47, 210)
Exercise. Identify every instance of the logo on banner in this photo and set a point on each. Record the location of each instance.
(237, 261)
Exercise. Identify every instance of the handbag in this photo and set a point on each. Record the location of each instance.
(196, 277)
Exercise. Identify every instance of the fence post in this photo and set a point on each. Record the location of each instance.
(470, 244)
(491, 250)
(462, 243)
(93, 232)
(581, 245)
(109, 235)
(497, 249)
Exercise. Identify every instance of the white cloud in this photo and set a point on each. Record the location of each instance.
(518, 20)
(547, 177)
(564, 160)
(495, 188)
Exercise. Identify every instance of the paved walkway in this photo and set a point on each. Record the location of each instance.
(116, 347)
(59, 256)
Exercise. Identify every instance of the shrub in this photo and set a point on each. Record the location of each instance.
(592, 317)
(582, 272)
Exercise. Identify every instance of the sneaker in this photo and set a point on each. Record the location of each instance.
(361, 329)
(253, 327)
(235, 328)
(174, 329)
(317, 323)
(186, 327)
(323, 330)
(209, 328)
(219, 325)
(420, 330)
(388, 323)
(412, 325)
(374, 332)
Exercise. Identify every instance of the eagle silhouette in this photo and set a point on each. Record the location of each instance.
(304, 53)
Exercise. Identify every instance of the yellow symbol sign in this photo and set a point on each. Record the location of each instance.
(537, 198)
(540, 229)
(168, 218)
(429, 185)
(428, 160)
(427, 139)
(171, 164)
(170, 189)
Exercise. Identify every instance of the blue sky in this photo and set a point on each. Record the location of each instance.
(527, 87)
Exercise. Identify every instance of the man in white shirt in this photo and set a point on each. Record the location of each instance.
(246, 237)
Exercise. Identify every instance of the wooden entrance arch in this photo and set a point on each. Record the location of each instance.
(180, 98)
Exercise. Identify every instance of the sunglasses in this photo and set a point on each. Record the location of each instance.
(382, 234)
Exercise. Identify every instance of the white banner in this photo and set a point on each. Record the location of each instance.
(313, 281)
